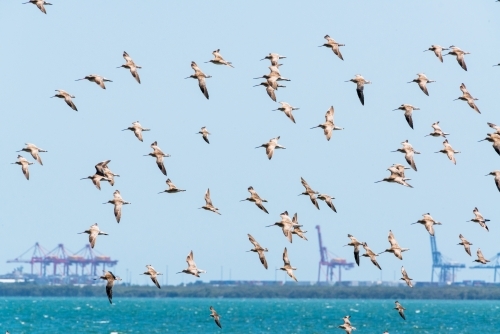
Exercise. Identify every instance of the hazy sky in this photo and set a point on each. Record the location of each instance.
(384, 43)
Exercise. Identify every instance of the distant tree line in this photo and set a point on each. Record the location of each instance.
(207, 291)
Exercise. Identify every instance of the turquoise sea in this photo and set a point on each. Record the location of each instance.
(191, 315)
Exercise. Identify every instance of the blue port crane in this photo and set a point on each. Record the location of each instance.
(442, 268)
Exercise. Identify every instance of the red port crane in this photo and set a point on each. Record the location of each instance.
(330, 262)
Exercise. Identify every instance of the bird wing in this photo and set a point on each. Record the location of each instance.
(467, 248)
(25, 170)
(359, 89)
(93, 236)
(270, 150)
(203, 85)
(285, 257)
(356, 255)
(403, 272)
(438, 54)
(397, 253)
(336, 50)
(374, 261)
(461, 60)
(155, 281)
(314, 200)
(402, 314)
(290, 273)
(409, 156)
(392, 239)
(160, 164)
(190, 260)
(207, 197)
(262, 258)
(306, 185)
(328, 130)
(253, 241)
(70, 103)
(135, 74)
(109, 289)
(260, 206)
(329, 114)
(138, 133)
(127, 57)
(270, 91)
(423, 87)
(118, 211)
(451, 155)
(409, 118)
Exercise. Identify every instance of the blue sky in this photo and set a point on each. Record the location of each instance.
(384, 43)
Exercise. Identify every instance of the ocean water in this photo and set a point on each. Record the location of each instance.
(191, 315)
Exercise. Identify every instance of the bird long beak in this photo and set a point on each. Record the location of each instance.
(84, 178)
(347, 81)
(378, 181)
(256, 85)
(478, 142)
(80, 79)
(187, 77)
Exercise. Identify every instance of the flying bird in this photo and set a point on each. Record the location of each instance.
(428, 222)
(200, 76)
(422, 82)
(208, 206)
(40, 4)
(408, 109)
(309, 192)
(24, 165)
(274, 58)
(478, 218)
(329, 124)
(99, 80)
(296, 228)
(33, 150)
(400, 309)
(159, 155)
(204, 133)
(449, 151)
(409, 152)
(360, 86)
(93, 232)
(271, 85)
(466, 96)
(102, 169)
(259, 250)
(270, 146)
(153, 274)
(437, 51)
(437, 131)
(459, 53)
(118, 202)
(254, 197)
(496, 173)
(480, 257)
(355, 243)
(287, 267)
(369, 253)
(395, 248)
(396, 178)
(192, 269)
(330, 43)
(495, 139)
(137, 129)
(218, 60)
(172, 189)
(129, 64)
(405, 277)
(67, 98)
(287, 225)
(110, 278)
(465, 243)
(216, 316)
(328, 200)
(287, 109)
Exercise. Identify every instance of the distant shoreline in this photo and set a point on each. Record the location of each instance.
(287, 291)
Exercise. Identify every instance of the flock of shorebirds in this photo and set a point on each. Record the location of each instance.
(289, 225)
